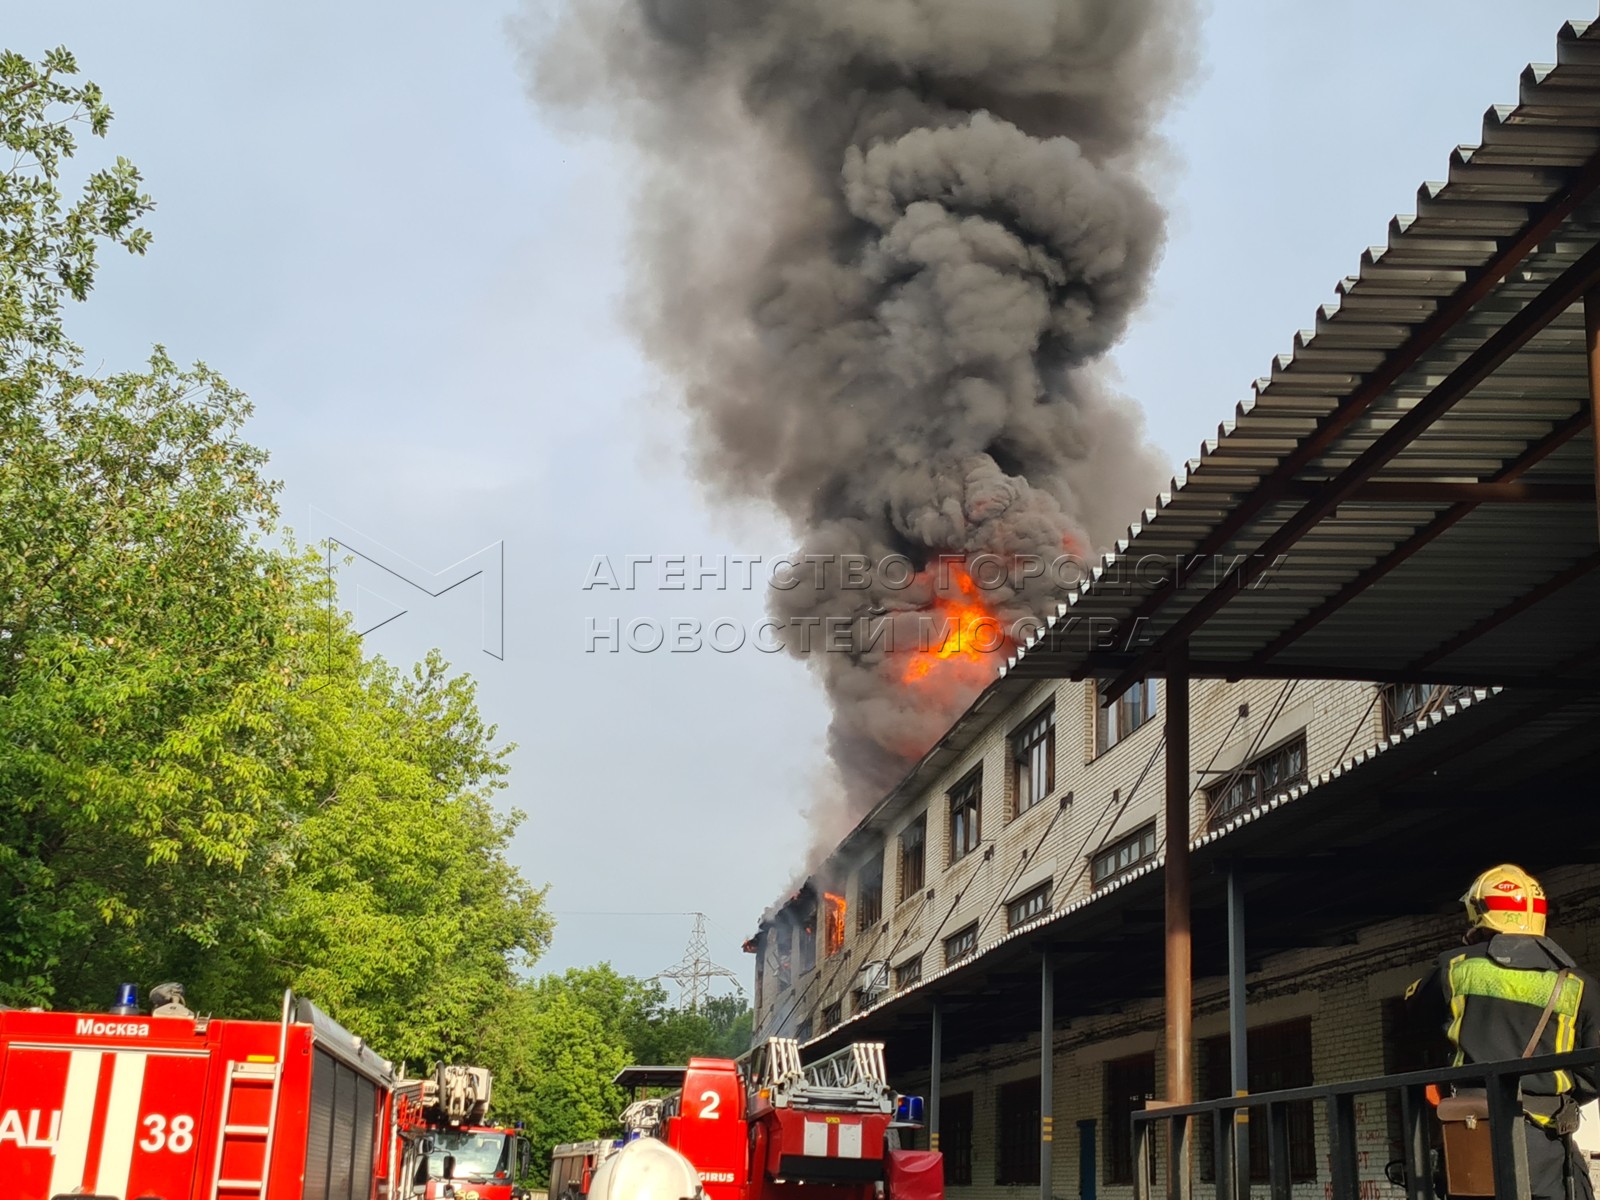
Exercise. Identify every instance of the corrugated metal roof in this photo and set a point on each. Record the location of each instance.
(1512, 214)
(1451, 277)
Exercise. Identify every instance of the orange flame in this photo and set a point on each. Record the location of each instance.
(968, 631)
(833, 928)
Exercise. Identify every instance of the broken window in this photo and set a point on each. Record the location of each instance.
(833, 923)
(783, 944)
(869, 895)
(808, 940)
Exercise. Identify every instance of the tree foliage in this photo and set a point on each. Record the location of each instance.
(48, 244)
(571, 1098)
(201, 776)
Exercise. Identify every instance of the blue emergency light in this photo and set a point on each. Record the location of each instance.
(908, 1110)
(127, 1004)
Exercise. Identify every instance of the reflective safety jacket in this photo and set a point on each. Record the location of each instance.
(1489, 997)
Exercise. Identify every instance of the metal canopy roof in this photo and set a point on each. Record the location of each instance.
(1410, 495)
(1470, 556)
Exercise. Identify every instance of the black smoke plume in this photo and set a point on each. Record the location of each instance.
(882, 245)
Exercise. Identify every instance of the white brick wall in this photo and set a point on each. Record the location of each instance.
(1111, 795)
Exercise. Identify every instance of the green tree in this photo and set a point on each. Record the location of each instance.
(626, 1020)
(561, 1071)
(201, 777)
(401, 912)
(136, 598)
(48, 244)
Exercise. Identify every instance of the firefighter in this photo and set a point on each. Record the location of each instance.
(1490, 994)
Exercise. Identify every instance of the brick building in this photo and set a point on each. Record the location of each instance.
(1415, 695)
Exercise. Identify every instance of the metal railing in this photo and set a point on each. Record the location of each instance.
(1337, 1100)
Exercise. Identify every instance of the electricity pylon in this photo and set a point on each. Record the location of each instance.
(695, 971)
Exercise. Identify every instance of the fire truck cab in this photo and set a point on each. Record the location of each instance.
(124, 1106)
(449, 1151)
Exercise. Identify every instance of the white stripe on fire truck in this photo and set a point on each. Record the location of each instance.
(77, 1115)
(850, 1140)
(816, 1139)
(122, 1123)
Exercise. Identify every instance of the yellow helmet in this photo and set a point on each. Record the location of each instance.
(1506, 899)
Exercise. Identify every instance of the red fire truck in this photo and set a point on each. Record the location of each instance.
(771, 1128)
(129, 1107)
(449, 1150)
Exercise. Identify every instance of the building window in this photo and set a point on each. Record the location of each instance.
(1033, 760)
(808, 940)
(1017, 1132)
(833, 1014)
(1134, 708)
(1129, 1083)
(784, 942)
(908, 973)
(965, 800)
(961, 945)
(955, 1139)
(1407, 703)
(869, 895)
(1260, 779)
(1138, 848)
(833, 923)
(1028, 906)
(803, 1034)
(913, 845)
(1280, 1057)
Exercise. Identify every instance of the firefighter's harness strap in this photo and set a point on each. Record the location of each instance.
(1544, 1018)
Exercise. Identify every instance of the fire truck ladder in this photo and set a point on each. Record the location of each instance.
(251, 1076)
(853, 1079)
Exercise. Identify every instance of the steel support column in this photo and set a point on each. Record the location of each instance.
(1179, 959)
(1047, 1072)
(1238, 1035)
(937, 1054)
(1591, 325)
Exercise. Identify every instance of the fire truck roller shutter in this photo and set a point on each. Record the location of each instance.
(341, 1135)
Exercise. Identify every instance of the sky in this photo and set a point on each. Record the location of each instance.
(365, 223)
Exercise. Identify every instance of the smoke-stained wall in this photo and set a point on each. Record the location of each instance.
(882, 246)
